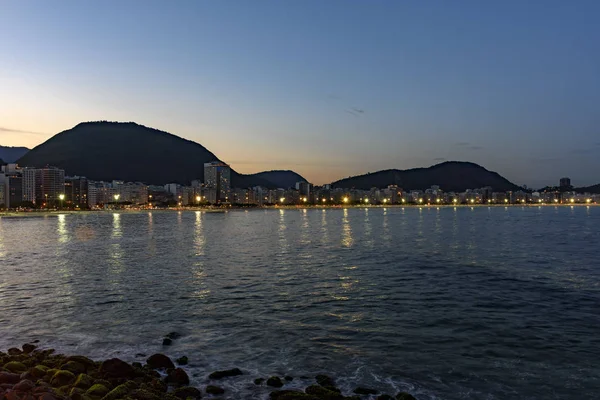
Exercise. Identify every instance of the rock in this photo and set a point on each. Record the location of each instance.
(39, 371)
(73, 366)
(47, 396)
(83, 381)
(259, 381)
(288, 378)
(325, 380)
(89, 364)
(28, 348)
(97, 390)
(115, 368)
(186, 392)
(167, 342)
(288, 395)
(182, 360)
(385, 397)
(140, 355)
(13, 351)
(210, 389)
(24, 386)
(160, 361)
(226, 373)
(173, 335)
(142, 394)
(15, 367)
(62, 378)
(178, 377)
(365, 391)
(121, 391)
(323, 393)
(404, 396)
(156, 385)
(274, 381)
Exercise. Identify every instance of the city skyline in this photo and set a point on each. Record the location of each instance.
(328, 90)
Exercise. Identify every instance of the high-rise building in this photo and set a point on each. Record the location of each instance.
(76, 191)
(29, 186)
(217, 175)
(14, 191)
(43, 185)
(565, 182)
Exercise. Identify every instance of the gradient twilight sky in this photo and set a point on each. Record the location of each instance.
(511, 85)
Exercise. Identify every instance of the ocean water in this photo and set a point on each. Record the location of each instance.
(445, 303)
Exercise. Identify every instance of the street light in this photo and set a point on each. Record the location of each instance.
(198, 198)
(281, 200)
(384, 201)
(61, 197)
(117, 196)
(345, 199)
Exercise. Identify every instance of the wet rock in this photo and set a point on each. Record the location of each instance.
(214, 390)
(324, 393)
(159, 361)
(121, 391)
(24, 386)
(13, 351)
(385, 397)
(62, 378)
(274, 381)
(167, 342)
(115, 368)
(173, 335)
(137, 365)
(97, 390)
(178, 377)
(39, 371)
(142, 394)
(259, 381)
(226, 373)
(9, 378)
(28, 348)
(73, 366)
(47, 396)
(404, 396)
(288, 378)
(89, 364)
(140, 355)
(187, 392)
(83, 381)
(290, 395)
(15, 367)
(182, 360)
(325, 380)
(365, 391)
(156, 385)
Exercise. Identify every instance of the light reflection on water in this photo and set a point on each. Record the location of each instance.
(447, 302)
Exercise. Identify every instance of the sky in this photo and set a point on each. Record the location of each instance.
(328, 89)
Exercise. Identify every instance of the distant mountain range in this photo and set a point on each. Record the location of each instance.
(12, 154)
(131, 152)
(589, 189)
(451, 176)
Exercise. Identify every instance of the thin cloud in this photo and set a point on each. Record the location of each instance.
(439, 159)
(353, 113)
(463, 144)
(475, 147)
(358, 110)
(543, 160)
(10, 130)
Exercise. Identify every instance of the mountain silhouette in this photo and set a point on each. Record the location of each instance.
(450, 176)
(131, 152)
(12, 154)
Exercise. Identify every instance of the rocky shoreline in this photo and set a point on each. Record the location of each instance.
(31, 373)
